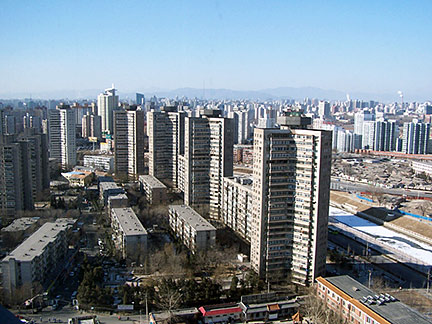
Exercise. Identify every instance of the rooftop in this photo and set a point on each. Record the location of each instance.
(152, 181)
(109, 185)
(384, 305)
(191, 217)
(128, 221)
(36, 243)
(20, 224)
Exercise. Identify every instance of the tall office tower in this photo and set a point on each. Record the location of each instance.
(17, 175)
(385, 136)
(208, 158)
(62, 126)
(140, 99)
(91, 126)
(291, 181)
(368, 135)
(241, 119)
(416, 138)
(324, 109)
(129, 142)
(107, 103)
(165, 130)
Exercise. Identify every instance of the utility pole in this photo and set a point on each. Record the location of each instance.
(428, 279)
(369, 281)
(147, 313)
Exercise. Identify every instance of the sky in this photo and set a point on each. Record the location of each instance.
(351, 46)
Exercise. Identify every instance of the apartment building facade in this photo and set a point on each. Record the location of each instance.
(238, 197)
(129, 142)
(154, 190)
(165, 130)
(358, 304)
(130, 236)
(34, 259)
(208, 159)
(62, 133)
(291, 180)
(196, 233)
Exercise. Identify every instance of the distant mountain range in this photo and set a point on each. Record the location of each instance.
(220, 94)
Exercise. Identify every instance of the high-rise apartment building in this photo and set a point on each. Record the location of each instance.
(359, 119)
(62, 135)
(107, 103)
(129, 142)
(23, 171)
(91, 126)
(291, 181)
(165, 130)
(241, 125)
(208, 159)
(385, 133)
(416, 138)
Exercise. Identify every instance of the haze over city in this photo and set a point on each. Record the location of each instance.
(365, 48)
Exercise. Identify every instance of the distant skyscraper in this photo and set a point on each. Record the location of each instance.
(62, 133)
(107, 103)
(291, 181)
(129, 142)
(140, 99)
(324, 109)
(416, 138)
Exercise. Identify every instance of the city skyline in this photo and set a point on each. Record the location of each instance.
(354, 47)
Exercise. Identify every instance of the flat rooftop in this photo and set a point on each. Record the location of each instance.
(109, 185)
(20, 224)
(39, 240)
(191, 217)
(128, 221)
(395, 312)
(152, 181)
(118, 196)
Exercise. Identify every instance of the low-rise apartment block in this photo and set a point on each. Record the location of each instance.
(237, 205)
(99, 162)
(191, 228)
(154, 190)
(118, 201)
(34, 259)
(361, 305)
(129, 235)
(107, 189)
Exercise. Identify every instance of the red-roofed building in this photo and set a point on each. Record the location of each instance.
(220, 313)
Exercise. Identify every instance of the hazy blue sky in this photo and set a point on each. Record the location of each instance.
(370, 46)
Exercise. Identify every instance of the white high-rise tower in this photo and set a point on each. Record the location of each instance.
(107, 103)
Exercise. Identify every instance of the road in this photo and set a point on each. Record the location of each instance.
(62, 316)
(409, 277)
(354, 186)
